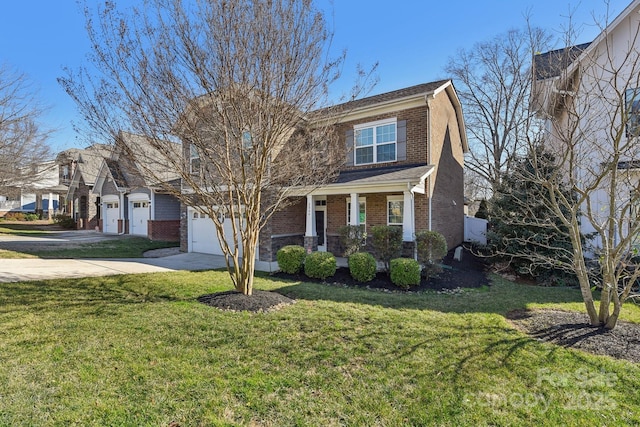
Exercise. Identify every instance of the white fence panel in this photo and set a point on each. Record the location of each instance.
(475, 230)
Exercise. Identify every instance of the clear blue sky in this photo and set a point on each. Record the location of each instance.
(411, 39)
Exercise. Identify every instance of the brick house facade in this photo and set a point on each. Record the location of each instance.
(404, 159)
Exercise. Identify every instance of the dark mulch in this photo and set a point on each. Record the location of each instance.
(260, 301)
(469, 272)
(572, 329)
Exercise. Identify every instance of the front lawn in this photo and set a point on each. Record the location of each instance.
(116, 247)
(140, 350)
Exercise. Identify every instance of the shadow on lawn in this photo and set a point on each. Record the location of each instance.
(95, 295)
(500, 297)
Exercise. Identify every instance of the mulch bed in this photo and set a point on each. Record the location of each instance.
(260, 301)
(469, 272)
(572, 330)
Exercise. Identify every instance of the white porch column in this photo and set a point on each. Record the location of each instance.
(50, 206)
(354, 218)
(310, 229)
(408, 222)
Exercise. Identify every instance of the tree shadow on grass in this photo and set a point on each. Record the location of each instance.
(500, 297)
(94, 295)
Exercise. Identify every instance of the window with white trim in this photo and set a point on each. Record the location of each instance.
(140, 204)
(395, 210)
(375, 142)
(194, 160)
(362, 213)
(112, 205)
(632, 101)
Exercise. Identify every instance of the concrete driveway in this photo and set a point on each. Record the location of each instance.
(23, 269)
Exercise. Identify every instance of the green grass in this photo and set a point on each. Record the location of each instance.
(140, 350)
(25, 229)
(121, 247)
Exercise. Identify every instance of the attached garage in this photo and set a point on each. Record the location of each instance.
(111, 214)
(140, 214)
(202, 233)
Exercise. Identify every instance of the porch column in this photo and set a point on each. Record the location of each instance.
(310, 236)
(354, 218)
(50, 206)
(408, 222)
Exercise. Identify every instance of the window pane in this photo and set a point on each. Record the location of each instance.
(633, 111)
(386, 133)
(364, 155)
(363, 213)
(194, 152)
(386, 153)
(364, 137)
(396, 209)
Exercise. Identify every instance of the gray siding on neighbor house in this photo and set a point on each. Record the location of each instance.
(166, 207)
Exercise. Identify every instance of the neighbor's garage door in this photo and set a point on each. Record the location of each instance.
(110, 219)
(139, 218)
(202, 234)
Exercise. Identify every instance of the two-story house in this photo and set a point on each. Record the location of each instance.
(589, 98)
(403, 165)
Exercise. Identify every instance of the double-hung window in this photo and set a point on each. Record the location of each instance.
(362, 211)
(376, 142)
(194, 160)
(632, 101)
(395, 210)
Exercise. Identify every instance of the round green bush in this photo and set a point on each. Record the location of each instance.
(405, 272)
(320, 265)
(362, 266)
(291, 258)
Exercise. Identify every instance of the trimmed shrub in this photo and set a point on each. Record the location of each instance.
(387, 243)
(15, 216)
(405, 272)
(31, 217)
(432, 247)
(291, 258)
(353, 238)
(320, 265)
(362, 266)
(64, 221)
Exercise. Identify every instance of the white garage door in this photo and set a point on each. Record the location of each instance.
(110, 220)
(139, 218)
(202, 234)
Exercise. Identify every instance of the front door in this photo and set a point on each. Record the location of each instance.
(321, 228)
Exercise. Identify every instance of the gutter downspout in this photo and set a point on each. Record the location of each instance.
(121, 214)
(428, 99)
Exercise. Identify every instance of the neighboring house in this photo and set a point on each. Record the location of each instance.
(403, 166)
(133, 203)
(590, 94)
(37, 192)
(79, 169)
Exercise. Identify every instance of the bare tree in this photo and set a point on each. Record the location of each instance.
(493, 80)
(238, 84)
(589, 94)
(23, 142)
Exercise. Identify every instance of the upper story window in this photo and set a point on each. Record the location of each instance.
(632, 101)
(194, 160)
(375, 142)
(65, 172)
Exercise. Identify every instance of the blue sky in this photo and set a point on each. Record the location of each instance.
(411, 39)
